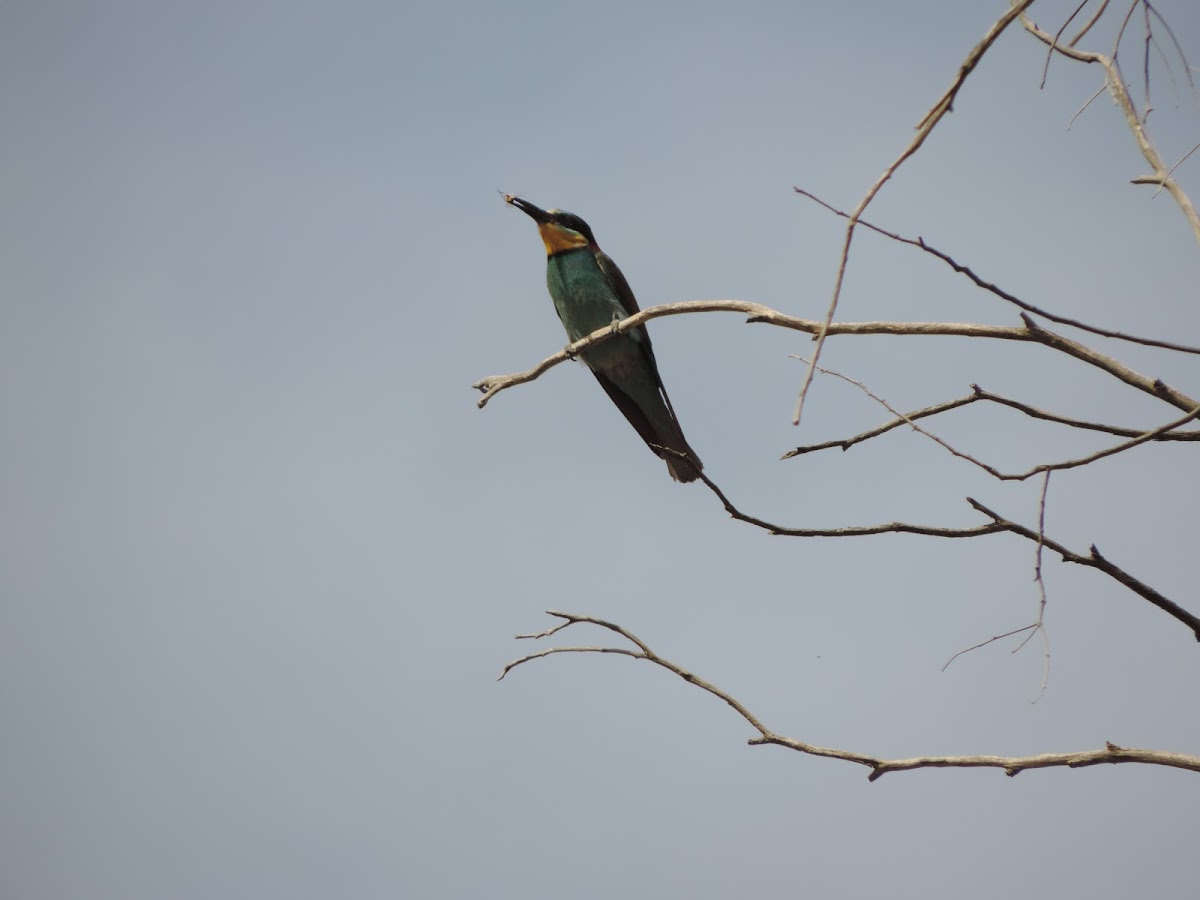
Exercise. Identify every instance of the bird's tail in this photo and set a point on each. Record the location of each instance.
(658, 428)
(681, 468)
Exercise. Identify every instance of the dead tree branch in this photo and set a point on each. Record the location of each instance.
(758, 313)
(997, 525)
(878, 766)
(1139, 439)
(1095, 561)
(979, 394)
(1032, 332)
(921, 244)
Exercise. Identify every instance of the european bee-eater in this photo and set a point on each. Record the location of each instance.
(589, 292)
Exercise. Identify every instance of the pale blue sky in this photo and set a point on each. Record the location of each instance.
(261, 558)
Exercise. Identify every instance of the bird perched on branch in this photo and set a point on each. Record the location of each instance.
(589, 292)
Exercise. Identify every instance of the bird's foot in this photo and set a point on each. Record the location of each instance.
(569, 353)
(615, 324)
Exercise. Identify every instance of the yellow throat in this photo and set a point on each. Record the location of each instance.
(558, 239)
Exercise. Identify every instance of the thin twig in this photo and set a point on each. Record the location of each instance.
(1121, 31)
(1038, 626)
(848, 531)
(1146, 61)
(1171, 171)
(979, 394)
(643, 652)
(915, 427)
(1095, 561)
(1089, 24)
(1107, 451)
(902, 419)
(1041, 584)
(991, 640)
(1187, 69)
(1057, 35)
(1016, 476)
(1079, 112)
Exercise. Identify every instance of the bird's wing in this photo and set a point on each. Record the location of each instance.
(616, 278)
(669, 435)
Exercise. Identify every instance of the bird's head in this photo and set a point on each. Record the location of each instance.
(560, 231)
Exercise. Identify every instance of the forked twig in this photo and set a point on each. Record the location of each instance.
(991, 640)
(1017, 476)
(978, 394)
(1038, 626)
(1096, 561)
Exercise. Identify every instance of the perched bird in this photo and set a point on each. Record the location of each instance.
(589, 292)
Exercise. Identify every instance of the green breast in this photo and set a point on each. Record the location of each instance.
(582, 295)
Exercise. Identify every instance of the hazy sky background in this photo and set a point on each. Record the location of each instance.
(261, 558)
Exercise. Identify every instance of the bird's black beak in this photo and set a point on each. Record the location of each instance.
(538, 215)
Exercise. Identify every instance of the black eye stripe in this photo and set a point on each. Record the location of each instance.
(572, 221)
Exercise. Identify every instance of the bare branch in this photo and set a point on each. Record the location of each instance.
(1079, 112)
(998, 524)
(924, 128)
(921, 244)
(1089, 24)
(1095, 561)
(1187, 69)
(848, 531)
(991, 640)
(1012, 765)
(643, 652)
(913, 425)
(552, 650)
(979, 394)
(1054, 43)
(1032, 332)
(901, 419)
(758, 313)
(1041, 584)
(1121, 31)
(1147, 41)
(1108, 451)
(1036, 413)
(1021, 476)
(1157, 386)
